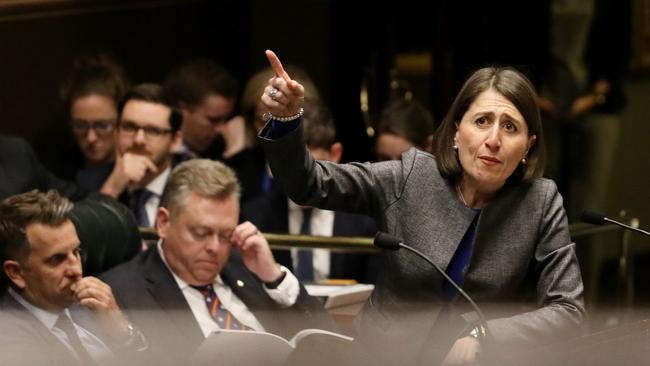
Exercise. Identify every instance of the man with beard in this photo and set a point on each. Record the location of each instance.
(147, 133)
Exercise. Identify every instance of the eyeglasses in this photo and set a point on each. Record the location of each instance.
(102, 127)
(131, 129)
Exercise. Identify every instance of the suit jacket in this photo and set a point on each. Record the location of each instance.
(92, 178)
(147, 291)
(522, 253)
(270, 213)
(20, 171)
(24, 340)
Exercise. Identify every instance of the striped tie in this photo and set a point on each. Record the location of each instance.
(221, 315)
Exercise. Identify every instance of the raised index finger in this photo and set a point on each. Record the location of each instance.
(277, 65)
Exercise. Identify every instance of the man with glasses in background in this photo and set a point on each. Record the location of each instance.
(147, 133)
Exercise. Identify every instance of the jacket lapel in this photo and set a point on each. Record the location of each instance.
(449, 230)
(43, 337)
(162, 287)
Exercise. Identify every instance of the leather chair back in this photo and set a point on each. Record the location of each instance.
(108, 232)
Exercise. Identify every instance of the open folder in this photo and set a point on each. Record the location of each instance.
(247, 347)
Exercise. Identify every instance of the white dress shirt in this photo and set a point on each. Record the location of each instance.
(322, 224)
(285, 294)
(95, 347)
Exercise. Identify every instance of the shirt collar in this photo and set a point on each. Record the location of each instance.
(47, 317)
(296, 207)
(157, 185)
(185, 150)
(293, 207)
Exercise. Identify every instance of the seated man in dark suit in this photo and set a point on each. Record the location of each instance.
(189, 285)
(274, 212)
(21, 171)
(39, 251)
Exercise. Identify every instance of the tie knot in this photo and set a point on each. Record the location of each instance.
(141, 196)
(64, 323)
(203, 289)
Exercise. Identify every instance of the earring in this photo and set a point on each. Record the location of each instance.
(523, 161)
(455, 147)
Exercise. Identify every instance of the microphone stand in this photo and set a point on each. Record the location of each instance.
(483, 331)
(629, 227)
(625, 265)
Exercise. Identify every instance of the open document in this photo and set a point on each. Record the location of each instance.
(246, 347)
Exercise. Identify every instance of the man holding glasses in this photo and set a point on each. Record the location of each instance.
(147, 133)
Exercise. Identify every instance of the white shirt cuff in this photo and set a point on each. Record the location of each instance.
(287, 291)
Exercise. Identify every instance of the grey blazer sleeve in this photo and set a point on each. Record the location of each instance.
(559, 289)
(358, 188)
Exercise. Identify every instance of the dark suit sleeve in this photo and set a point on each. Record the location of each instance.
(24, 172)
(559, 286)
(47, 181)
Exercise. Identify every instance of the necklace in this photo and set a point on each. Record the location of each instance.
(460, 194)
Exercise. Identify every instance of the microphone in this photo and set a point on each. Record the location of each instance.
(595, 218)
(389, 242)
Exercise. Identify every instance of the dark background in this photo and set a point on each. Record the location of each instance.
(430, 46)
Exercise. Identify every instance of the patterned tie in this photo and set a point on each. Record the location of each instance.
(65, 324)
(306, 256)
(140, 198)
(221, 315)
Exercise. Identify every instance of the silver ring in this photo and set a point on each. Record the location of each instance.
(273, 92)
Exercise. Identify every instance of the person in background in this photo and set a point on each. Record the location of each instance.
(207, 94)
(479, 209)
(21, 171)
(403, 124)
(274, 212)
(582, 96)
(91, 94)
(148, 132)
